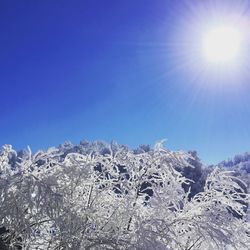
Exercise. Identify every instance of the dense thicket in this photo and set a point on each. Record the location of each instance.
(106, 196)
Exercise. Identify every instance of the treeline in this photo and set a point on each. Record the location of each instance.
(106, 196)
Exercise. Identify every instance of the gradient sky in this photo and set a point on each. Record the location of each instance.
(113, 69)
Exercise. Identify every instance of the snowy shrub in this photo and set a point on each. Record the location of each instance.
(109, 197)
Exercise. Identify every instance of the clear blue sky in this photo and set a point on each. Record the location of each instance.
(112, 69)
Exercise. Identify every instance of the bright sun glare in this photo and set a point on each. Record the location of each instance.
(222, 44)
(211, 44)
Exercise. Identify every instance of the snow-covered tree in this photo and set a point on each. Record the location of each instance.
(105, 196)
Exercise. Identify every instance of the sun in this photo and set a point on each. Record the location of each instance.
(210, 44)
(222, 44)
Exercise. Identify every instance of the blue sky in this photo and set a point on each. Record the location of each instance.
(113, 69)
